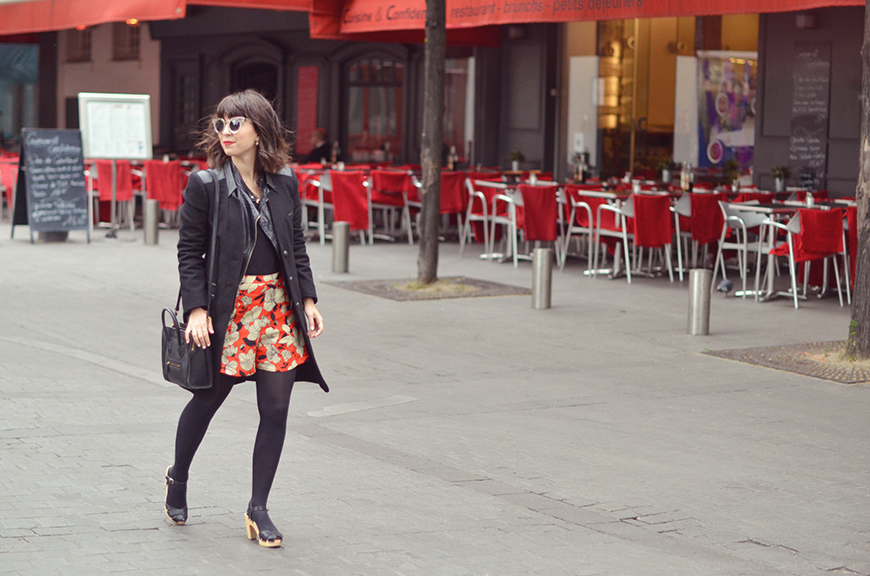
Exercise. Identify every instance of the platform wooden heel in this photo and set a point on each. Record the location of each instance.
(177, 516)
(260, 528)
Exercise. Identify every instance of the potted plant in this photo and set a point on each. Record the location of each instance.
(780, 174)
(667, 167)
(515, 157)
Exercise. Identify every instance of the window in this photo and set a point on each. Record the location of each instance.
(19, 75)
(374, 110)
(78, 45)
(125, 40)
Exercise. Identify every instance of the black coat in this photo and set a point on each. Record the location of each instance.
(281, 199)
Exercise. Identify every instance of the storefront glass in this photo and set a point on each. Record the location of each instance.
(19, 72)
(375, 97)
(637, 71)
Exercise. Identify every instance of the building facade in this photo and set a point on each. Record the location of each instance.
(613, 90)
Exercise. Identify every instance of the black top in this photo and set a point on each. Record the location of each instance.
(323, 151)
(264, 259)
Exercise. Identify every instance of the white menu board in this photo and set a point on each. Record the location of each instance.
(115, 126)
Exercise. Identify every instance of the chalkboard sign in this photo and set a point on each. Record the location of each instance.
(51, 195)
(808, 137)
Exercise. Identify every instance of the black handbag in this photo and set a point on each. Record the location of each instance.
(186, 364)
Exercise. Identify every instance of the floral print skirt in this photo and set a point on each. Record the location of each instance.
(263, 333)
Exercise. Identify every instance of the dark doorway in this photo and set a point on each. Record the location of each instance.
(72, 113)
(261, 76)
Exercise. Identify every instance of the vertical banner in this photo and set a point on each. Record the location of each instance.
(808, 134)
(686, 111)
(726, 108)
(306, 108)
(582, 108)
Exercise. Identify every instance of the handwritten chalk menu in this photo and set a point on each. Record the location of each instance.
(116, 126)
(51, 196)
(808, 137)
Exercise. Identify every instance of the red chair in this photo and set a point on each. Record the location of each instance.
(761, 197)
(350, 196)
(390, 191)
(454, 195)
(490, 175)
(163, 182)
(811, 235)
(697, 216)
(541, 216)
(801, 195)
(645, 220)
(123, 188)
(9, 179)
(653, 228)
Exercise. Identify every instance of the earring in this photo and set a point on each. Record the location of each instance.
(257, 143)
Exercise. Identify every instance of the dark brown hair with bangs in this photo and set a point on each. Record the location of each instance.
(272, 152)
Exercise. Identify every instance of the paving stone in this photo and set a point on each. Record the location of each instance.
(591, 439)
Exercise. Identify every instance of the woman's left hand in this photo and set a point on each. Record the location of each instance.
(315, 320)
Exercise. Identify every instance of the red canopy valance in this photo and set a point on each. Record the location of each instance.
(45, 15)
(292, 5)
(468, 21)
(348, 18)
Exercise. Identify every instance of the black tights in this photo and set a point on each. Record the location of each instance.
(273, 403)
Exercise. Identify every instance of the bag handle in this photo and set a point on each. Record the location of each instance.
(211, 253)
(174, 325)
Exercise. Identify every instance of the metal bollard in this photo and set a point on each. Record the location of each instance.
(340, 246)
(700, 280)
(542, 277)
(152, 221)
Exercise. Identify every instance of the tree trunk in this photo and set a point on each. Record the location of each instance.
(432, 142)
(858, 341)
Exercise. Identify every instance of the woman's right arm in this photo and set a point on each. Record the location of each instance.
(194, 237)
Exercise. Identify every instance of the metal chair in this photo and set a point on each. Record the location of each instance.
(477, 211)
(739, 223)
(651, 229)
(316, 192)
(580, 221)
(389, 191)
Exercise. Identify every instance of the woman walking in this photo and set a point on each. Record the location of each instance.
(263, 311)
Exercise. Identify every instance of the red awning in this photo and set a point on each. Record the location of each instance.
(329, 19)
(349, 18)
(32, 16)
(291, 5)
(46, 15)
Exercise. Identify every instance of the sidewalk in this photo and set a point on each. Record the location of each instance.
(461, 437)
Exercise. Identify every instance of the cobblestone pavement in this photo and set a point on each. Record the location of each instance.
(462, 437)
